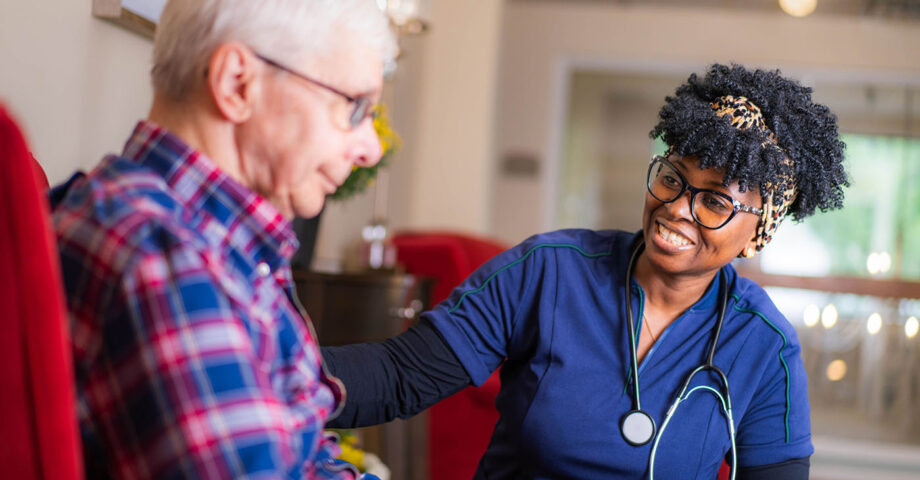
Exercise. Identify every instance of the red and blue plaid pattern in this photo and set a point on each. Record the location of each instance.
(191, 357)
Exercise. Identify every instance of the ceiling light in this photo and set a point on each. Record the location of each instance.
(798, 8)
(409, 16)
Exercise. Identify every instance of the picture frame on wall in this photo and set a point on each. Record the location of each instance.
(139, 16)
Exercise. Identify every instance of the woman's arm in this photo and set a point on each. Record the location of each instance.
(399, 377)
(795, 469)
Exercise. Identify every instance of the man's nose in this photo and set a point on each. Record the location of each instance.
(367, 148)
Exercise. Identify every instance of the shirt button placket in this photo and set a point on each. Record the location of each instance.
(263, 269)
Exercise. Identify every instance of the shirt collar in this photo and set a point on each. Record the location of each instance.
(237, 215)
(709, 302)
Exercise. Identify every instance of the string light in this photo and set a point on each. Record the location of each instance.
(811, 315)
(836, 370)
(829, 316)
(884, 262)
(874, 324)
(911, 327)
(872, 263)
(878, 262)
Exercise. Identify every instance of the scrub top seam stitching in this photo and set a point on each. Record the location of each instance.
(780, 353)
(521, 260)
(548, 363)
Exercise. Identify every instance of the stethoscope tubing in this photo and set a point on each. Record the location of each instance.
(725, 401)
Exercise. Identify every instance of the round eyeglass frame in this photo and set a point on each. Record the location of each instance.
(685, 186)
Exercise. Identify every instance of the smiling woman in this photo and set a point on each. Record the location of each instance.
(558, 312)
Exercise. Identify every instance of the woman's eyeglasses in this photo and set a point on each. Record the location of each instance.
(709, 208)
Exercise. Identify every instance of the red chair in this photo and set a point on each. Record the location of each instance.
(39, 427)
(460, 426)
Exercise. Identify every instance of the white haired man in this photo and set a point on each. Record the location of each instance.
(192, 358)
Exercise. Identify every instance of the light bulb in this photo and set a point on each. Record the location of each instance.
(798, 8)
(874, 324)
(829, 316)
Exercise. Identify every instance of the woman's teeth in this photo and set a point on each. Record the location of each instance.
(672, 237)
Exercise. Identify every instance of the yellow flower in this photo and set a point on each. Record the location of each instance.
(389, 139)
(361, 177)
(352, 455)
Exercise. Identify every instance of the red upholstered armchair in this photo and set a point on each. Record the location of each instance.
(460, 426)
(39, 427)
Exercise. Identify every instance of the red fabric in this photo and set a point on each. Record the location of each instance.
(40, 176)
(460, 426)
(39, 428)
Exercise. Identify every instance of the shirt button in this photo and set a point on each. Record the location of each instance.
(263, 269)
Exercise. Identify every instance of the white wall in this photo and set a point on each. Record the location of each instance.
(543, 42)
(442, 102)
(452, 182)
(77, 84)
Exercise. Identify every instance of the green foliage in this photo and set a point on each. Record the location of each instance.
(359, 180)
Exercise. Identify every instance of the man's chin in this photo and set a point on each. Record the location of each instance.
(308, 208)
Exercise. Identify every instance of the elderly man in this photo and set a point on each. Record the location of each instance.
(192, 356)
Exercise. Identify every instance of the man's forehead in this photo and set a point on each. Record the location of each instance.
(350, 64)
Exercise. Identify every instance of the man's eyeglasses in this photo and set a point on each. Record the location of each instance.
(362, 107)
(709, 208)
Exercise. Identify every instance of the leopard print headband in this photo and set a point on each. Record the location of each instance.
(744, 115)
(780, 194)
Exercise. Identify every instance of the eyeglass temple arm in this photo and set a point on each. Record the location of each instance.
(747, 208)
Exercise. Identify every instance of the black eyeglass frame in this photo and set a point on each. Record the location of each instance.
(363, 105)
(736, 205)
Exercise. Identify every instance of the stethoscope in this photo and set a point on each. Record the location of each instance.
(637, 426)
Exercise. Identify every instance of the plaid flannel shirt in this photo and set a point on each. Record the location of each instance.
(191, 357)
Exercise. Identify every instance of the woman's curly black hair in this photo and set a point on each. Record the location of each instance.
(805, 131)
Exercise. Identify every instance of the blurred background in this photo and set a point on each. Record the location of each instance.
(520, 116)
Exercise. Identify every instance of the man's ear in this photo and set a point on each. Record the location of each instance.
(232, 78)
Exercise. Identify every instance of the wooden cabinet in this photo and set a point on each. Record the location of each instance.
(371, 307)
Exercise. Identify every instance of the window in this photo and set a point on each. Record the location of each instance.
(876, 234)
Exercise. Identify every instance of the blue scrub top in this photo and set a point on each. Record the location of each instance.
(553, 306)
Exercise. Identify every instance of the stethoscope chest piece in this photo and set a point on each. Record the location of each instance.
(637, 427)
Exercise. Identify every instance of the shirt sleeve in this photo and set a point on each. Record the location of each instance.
(776, 426)
(398, 377)
(181, 390)
(795, 469)
(479, 318)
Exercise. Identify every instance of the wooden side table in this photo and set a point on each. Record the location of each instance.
(371, 307)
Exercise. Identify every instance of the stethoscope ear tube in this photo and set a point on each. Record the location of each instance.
(637, 426)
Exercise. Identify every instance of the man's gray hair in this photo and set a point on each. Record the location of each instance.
(189, 31)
